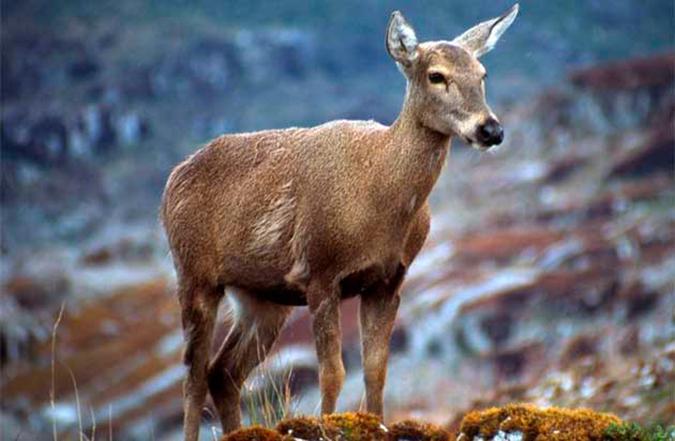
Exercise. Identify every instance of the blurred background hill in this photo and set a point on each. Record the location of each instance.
(549, 275)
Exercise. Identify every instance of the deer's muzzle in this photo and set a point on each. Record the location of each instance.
(490, 133)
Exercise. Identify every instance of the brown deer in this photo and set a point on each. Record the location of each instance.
(310, 216)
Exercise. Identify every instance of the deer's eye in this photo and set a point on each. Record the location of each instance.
(436, 78)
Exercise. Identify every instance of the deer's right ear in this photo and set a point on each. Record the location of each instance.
(401, 40)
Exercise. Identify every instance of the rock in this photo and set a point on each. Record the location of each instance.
(37, 294)
(637, 300)
(265, 54)
(29, 295)
(20, 332)
(138, 83)
(656, 154)
(84, 68)
(629, 341)
(516, 362)
(95, 124)
(43, 140)
(50, 139)
(554, 110)
(206, 68)
(501, 245)
(497, 327)
(578, 347)
(561, 169)
(22, 72)
(622, 95)
(399, 341)
(131, 128)
(127, 249)
(652, 71)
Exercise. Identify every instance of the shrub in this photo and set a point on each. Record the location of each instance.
(635, 432)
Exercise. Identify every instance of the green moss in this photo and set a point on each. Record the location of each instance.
(635, 432)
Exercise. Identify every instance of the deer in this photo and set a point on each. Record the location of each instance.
(276, 219)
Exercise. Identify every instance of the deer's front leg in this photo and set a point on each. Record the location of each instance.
(324, 304)
(377, 313)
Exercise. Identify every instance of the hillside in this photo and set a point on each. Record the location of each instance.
(100, 100)
(548, 278)
(560, 294)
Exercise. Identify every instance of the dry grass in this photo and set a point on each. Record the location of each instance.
(270, 402)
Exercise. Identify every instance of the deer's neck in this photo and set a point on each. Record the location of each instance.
(413, 159)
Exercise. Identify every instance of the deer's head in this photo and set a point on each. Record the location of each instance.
(446, 82)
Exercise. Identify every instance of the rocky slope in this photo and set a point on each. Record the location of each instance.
(549, 278)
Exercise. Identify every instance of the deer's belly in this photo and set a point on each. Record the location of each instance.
(285, 294)
(356, 283)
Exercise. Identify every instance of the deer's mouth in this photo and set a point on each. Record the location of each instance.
(468, 141)
(481, 147)
(475, 144)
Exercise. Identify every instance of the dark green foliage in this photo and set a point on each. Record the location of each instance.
(635, 432)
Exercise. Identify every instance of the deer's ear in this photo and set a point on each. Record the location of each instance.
(481, 38)
(401, 40)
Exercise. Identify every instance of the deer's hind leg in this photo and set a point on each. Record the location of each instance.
(257, 324)
(199, 306)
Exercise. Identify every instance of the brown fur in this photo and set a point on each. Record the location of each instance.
(310, 216)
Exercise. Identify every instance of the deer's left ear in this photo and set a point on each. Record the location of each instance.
(481, 38)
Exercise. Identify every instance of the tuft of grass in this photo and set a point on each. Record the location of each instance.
(52, 389)
(636, 432)
(271, 402)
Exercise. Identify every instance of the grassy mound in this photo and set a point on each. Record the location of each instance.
(255, 433)
(536, 424)
(524, 422)
(342, 427)
(514, 422)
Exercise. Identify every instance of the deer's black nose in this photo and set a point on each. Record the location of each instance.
(490, 133)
